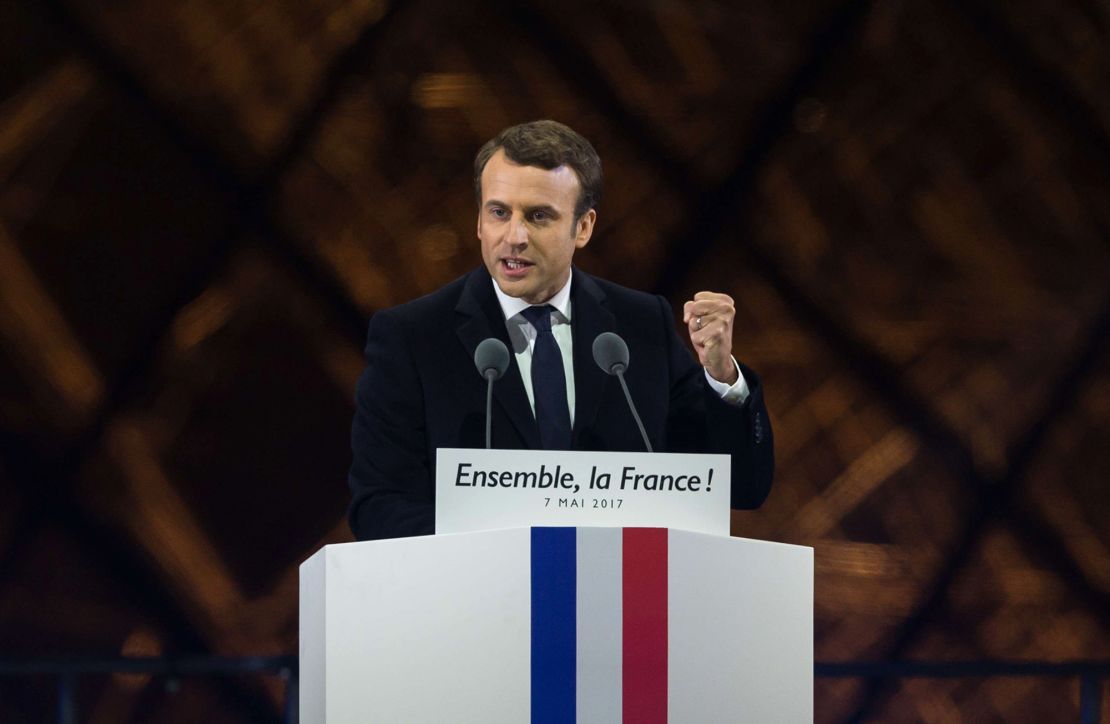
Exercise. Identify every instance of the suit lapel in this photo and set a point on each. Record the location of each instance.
(590, 316)
(480, 317)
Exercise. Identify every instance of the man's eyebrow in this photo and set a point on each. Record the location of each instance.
(543, 207)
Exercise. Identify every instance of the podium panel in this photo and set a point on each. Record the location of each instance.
(558, 625)
(480, 490)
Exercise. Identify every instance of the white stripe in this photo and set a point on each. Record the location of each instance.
(600, 625)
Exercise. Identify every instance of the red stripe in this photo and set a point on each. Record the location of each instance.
(645, 626)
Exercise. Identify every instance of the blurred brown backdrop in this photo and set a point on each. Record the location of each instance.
(202, 202)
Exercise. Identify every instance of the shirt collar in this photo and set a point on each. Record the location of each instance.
(512, 306)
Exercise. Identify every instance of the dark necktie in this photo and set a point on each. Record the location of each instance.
(549, 382)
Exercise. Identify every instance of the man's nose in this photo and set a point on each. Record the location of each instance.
(516, 234)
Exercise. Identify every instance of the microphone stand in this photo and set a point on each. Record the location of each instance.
(618, 370)
(490, 376)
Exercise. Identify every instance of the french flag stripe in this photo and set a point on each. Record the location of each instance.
(554, 614)
(600, 626)
(645, 625)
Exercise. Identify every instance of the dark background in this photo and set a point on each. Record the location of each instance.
(202, 202)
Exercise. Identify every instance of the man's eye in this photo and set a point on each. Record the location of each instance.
(498, 213)
(540, 216)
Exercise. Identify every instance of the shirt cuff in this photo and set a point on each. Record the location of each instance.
(736, 393)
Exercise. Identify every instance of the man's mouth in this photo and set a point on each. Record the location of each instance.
(516, 264)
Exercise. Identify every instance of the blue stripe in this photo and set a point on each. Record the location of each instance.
(554, 624)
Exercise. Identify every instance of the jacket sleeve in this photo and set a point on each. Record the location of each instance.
(390, 477)
(700, 421)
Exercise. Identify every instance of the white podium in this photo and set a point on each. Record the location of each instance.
(557, 625)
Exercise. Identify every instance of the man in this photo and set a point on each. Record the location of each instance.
(538, 185)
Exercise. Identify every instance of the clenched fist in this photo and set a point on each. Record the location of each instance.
(708, 318)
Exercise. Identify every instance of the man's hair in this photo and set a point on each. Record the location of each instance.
(548, 145)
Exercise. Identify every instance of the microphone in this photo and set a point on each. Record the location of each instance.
(611, 355)
(491, 357)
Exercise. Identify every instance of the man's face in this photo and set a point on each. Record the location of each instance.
(527, 228)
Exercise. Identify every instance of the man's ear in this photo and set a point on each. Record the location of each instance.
(585, 229)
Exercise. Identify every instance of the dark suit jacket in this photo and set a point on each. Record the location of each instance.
(420, 391)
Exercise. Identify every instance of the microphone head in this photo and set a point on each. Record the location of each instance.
(491, 357)
(610, 353)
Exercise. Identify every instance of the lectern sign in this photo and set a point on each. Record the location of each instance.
(488, 489)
